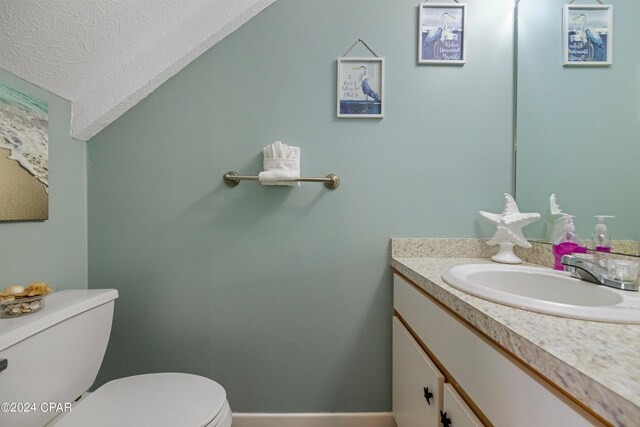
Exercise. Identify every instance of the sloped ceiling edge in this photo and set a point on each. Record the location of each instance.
(126, 86)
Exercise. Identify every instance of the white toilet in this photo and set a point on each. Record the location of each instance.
(53, 356)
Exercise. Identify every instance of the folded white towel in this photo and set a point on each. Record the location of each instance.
(278, 177)
(281, 162)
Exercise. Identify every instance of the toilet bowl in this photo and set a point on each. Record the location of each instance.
(53, 357)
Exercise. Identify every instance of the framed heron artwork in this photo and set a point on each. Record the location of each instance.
(441, 33)
(360, 87)
(588, 34)
(24, 156)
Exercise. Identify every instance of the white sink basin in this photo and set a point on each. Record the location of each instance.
(545, 291)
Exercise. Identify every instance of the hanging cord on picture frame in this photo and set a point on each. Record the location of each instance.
(599, 1)
(365, 45)
(459, 2)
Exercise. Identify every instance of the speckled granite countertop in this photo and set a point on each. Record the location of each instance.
(597, 363)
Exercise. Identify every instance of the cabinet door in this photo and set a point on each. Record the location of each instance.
(455, 412)
(417, 383)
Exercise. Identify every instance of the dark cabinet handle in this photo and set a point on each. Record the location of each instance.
(3, 364)
(446, 421)
(428, 395)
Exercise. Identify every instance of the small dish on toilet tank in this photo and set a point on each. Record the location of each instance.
(20, 306)
(17, 300)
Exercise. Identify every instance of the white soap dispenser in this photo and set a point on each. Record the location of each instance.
(601, 240)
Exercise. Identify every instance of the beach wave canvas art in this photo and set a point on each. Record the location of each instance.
(24, 156)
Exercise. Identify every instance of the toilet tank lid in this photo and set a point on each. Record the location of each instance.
(58, 307)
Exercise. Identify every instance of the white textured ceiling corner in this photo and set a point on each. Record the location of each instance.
(106, 55)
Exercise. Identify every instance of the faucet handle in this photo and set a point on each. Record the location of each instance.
(626, 271)
(585, 257)
(568, 261)
(577, 259)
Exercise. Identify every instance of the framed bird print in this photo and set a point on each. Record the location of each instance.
(441, 33)
(588, 34)
(360, 87)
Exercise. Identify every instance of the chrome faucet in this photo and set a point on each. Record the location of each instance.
(585, 268)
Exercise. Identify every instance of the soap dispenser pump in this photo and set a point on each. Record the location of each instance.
(601, 239)
(566, 242)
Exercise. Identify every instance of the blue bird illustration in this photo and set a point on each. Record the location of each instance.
(586, 35)
(366, 87)
(437, 36)
(594, 38)
(432, 37)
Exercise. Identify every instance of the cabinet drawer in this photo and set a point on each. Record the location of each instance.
(456, 410)
(507, 393)
(415, 378)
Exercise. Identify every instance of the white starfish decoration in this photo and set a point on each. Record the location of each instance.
(554, 209)
(510, 223)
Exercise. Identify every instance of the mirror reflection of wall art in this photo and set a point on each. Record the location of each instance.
(24, 156)
(441, 33)
(360, 87)
(588, 34)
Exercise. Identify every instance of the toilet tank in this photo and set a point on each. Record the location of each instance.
(53, 356)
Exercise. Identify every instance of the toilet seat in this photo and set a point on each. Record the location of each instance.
(164, 399)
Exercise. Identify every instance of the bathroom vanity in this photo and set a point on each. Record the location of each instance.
(463, 361)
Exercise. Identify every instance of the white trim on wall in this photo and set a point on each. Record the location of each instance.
(368, 419)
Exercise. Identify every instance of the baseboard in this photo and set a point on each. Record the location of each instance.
(364, 419)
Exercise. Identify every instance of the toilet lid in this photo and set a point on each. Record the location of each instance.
(165, 399)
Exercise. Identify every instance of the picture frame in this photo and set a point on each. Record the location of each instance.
(360, 87)
(442, 33)
(587, 35)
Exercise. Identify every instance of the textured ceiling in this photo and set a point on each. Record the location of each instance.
(106, 55)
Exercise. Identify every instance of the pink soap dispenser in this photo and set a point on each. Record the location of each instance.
(566, 242)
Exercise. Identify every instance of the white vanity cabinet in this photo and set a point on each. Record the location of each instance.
(501, 390)
(417, 382)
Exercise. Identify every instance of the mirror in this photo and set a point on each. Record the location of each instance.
(578, 127)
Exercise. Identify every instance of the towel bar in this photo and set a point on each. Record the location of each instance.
(232, 179)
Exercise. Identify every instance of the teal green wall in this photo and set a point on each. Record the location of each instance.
(55, 250)
(284, 295)
(578, 127)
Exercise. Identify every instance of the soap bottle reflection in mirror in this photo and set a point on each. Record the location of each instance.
(566, 242)
(601, 240)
